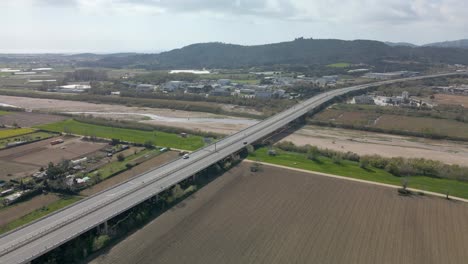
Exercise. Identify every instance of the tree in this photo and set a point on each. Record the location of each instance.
(100, 242)
(250, 149)
(148, 144)
(336, 158)
(392, 168)
(313, 153)
(177, 192)
(364, 162)
(404, 183)
(115, 141)
(120, 157)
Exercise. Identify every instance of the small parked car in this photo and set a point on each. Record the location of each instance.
(186, 156)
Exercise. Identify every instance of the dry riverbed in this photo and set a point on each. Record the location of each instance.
(186, 119)
(369, 143)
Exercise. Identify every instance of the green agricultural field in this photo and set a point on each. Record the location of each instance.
(5, 74)
(115, 167)
(246, 81)
(339, 65)
(352, 170)
(66, 201)
(3, 113)
(131, 135)
(28, 137)
(7, 133)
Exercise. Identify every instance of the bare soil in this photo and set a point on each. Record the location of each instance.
(23, 160)
(143, 167)
(369, 143)
(451, 99)
(18, 210)
(70, 149)
(285, 216)
(24, 119)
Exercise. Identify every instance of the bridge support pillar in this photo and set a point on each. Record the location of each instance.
(106, 228)
(103, 228)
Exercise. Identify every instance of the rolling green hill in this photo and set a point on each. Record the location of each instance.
(298, 52)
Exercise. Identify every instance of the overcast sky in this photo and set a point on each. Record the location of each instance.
(157, 25)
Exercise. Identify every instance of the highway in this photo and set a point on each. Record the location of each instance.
(35, 239)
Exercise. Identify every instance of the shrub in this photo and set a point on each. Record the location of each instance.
(120, 157)
(337, 159)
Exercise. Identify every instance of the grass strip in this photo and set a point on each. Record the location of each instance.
(353, 170)
(36, 214)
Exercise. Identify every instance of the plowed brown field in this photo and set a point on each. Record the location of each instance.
(24, 160)
(284, 216)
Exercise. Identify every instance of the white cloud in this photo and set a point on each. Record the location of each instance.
(379, 11)
(165, 24)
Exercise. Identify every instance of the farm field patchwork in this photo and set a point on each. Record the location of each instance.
(137, 136)
(283, 216)
(26, 159)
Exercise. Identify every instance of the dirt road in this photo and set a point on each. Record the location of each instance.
(284, 216)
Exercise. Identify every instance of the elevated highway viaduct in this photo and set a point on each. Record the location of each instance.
(39, 237)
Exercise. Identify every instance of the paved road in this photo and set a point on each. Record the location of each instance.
(33, 240)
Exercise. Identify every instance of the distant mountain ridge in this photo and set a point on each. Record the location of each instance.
(298, 52)
(461, 43)
(404, 44)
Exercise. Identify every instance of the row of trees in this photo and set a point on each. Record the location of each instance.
(272, 105)
(86, 75)
(163, 77)
(451, 112)
(397, 166)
